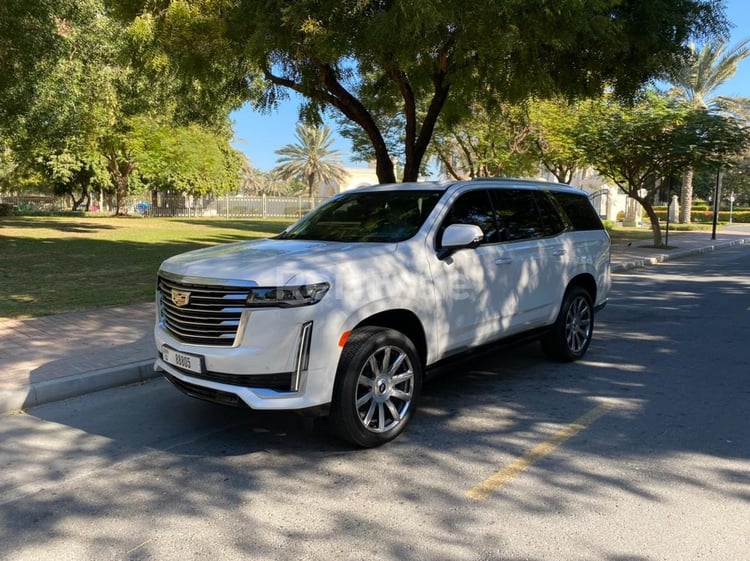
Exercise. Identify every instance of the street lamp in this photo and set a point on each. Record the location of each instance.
(731, 206)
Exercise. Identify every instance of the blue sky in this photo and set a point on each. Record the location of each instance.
(260, 135)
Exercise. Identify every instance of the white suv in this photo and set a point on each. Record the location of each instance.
(343, 312)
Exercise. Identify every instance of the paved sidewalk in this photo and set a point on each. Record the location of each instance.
(56, 357)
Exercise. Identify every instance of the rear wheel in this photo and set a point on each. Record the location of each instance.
(572, 331)
(377, 385)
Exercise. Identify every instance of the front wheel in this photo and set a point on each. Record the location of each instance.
(377, 385)
(571, 333)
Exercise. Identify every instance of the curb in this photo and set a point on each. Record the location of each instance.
(39, 393)
(645, 262)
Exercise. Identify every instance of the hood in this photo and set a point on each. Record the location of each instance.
(273, 262)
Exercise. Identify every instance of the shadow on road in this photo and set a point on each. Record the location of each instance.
(273, 483)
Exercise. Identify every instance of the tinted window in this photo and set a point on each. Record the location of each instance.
(385, 216)
(473, 208)
(579, 211)
(552, 224)
(517, 214)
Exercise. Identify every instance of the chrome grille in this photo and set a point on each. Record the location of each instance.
(210, 317)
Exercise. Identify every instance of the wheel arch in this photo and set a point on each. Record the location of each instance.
(585, 281)
(404, 321)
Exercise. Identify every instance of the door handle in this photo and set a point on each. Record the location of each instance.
(558, 252)
(503, 261)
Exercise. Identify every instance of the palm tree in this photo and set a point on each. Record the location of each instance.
(312, 160)
(694, 82)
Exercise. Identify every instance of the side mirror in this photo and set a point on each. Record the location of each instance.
(459, 236)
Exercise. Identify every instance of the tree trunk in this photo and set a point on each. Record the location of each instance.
(121, 191)
(119, 171)
(384, 167)
(415, 151)
(310, 185)
(686, 200)
(655, 226)
(78, 201)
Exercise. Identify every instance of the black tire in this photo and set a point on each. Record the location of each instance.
(378, 382)
(570, 336)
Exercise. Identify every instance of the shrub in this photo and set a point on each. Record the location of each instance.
(707, 216)
(7, 209)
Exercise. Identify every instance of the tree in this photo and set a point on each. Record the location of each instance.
(639, 147)
(8, 165)
(737, 181)
(32, 39)
(422, 59)
(191, 159)
(74, 175)
(556, 123)
(256, 182)
(492, 142)
(103, 96)
(703, 71)
(311, 159)
(77, 102)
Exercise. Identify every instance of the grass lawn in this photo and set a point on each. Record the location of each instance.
(644, 234)
(50, 265)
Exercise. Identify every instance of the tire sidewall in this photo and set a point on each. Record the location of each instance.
(361, 345)
(554, 343)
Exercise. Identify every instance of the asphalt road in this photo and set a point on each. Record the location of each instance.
(640, 452)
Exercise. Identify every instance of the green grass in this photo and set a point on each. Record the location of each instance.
(50, 265)
(58, 264)
(621, 234)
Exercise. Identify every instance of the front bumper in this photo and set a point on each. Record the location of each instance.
(283, 360)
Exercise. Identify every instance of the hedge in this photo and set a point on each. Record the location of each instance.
(742, 216)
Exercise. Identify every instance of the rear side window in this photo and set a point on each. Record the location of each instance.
(518, 217)
(552, 223)
(579, 211)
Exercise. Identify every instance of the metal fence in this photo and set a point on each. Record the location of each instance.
(177, 205)
(227, 206)
(35, 203)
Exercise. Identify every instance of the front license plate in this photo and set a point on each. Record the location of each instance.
(184, 361)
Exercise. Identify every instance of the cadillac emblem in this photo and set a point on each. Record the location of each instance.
(180, 298)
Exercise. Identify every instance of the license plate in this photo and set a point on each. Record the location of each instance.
(184, 361)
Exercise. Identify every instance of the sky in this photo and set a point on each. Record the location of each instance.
(260, 135)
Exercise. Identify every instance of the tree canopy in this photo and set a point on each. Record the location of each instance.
(493, 142)
(420, 59)
(639, 147)
(96, 103)
(555, 123)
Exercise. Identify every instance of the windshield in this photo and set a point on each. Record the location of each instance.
(384, 216)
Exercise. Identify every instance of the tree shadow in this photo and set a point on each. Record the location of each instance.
(269, 486)
(68, 226)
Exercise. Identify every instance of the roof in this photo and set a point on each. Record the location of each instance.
(444, 185)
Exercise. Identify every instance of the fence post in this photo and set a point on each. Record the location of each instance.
(263, 209)
(226, 201)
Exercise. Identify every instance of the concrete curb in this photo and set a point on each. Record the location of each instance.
(661, 258)
(39, 393)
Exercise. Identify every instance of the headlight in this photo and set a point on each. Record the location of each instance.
(286, 296)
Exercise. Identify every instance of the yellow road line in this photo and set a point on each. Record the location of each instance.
(518, 466)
